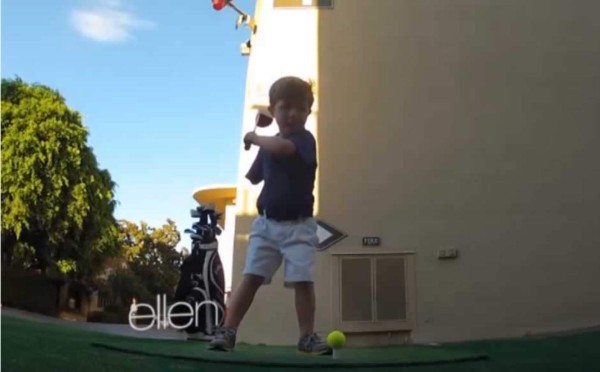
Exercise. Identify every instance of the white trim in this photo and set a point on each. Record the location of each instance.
(214, 187)
(372, 253)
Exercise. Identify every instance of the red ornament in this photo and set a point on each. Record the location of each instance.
(219, 4)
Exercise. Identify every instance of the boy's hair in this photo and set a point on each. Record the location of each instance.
(291, 88)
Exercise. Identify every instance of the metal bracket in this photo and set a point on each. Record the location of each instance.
(244, 18)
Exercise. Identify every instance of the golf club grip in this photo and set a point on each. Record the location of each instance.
(247, 145)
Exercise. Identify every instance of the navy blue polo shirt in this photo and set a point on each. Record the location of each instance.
(289, 180)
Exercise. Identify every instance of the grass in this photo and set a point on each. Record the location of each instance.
(35, 346)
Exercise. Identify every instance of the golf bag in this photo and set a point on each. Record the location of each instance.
(202, 281)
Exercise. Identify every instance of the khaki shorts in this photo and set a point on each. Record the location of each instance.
(293, 242)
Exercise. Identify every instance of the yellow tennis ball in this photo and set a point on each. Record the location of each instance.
(336, 339)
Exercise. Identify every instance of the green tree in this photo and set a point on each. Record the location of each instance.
(57, 205)
(123, 285)
(152, 260)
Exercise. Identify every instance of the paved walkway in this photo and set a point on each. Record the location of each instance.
(116, 329)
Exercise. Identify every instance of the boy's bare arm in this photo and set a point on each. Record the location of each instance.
(276, 145)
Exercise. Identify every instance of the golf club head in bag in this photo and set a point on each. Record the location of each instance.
(202, 280)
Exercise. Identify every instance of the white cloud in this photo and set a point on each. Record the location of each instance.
(107, 23)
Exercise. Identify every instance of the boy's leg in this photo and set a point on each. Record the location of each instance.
(305, 307)
(237, 306)
(262, 260)
(309, 341)
(299, 252)
(241, 299)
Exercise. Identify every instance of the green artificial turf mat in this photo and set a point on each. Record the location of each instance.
(283, 356)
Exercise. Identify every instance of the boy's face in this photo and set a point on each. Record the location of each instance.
(290, 115)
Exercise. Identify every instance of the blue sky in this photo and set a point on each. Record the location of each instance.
(160, 85)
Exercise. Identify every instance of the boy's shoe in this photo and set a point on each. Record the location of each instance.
(313, 344)
(199, 336)
(224, 339)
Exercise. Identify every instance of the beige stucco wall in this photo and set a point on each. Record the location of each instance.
(466, 124)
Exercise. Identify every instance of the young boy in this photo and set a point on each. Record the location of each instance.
(285, 229)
